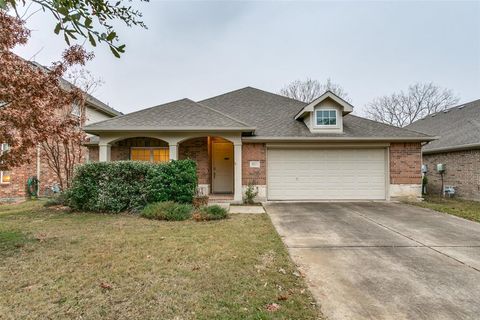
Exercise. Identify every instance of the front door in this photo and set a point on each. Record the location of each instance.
(222, 167)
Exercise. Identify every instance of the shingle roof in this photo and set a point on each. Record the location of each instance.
(269, 115)
(91, 100)
(183, 114)
(273, 116)
(457, 127)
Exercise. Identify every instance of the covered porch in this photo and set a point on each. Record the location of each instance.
(218, 156)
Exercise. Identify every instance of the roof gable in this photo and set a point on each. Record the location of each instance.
(346, 107)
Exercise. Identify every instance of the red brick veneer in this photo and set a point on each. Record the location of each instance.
(405, 163)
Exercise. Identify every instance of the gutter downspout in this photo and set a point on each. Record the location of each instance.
(38, 170)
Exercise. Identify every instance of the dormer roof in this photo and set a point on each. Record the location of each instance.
(346, 107)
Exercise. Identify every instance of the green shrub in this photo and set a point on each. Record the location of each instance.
(57, 200)
(214, 212)
(131, 185)
(250, 193)
(168, 210)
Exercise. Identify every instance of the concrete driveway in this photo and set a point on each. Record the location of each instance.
(372, 260)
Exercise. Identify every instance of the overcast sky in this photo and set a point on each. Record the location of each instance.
(201, 49)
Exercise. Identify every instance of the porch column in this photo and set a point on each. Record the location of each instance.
(238, 192)
(104, 152)
(173, 152)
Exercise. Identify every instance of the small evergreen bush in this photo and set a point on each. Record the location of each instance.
(250, 193)
(167, 210)
(131, 185)
(214, 212)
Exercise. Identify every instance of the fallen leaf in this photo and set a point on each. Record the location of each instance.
(272, 307)
(281, 270)
(106, 286)
(282, 297)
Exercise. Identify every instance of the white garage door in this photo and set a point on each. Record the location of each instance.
(326, 174)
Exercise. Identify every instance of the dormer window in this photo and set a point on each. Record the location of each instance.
(326, 117)
(325, 114)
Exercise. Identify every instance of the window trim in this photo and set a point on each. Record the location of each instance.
(337, 122)
(151, 153)
(4, 147)
(1, 177)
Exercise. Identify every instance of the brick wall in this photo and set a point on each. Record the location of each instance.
(16, 189)
(254, 152)
(197, 150)
(93, 153)
(405, 163)
(462, 172)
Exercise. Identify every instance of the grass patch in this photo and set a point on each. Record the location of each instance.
(11, 241)
(461, 208)
(126, 267)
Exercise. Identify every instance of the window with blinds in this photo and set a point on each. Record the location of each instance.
(150, 154)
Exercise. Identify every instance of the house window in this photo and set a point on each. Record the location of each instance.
(150, 154)
(326, 117)
(76, 110)
(4, 177)
(3, 147)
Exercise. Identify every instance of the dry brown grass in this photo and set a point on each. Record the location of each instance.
(69, 265)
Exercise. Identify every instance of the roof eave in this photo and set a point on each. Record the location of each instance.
(453, 148)
(112, 113)
(97, 131)
(339, 139)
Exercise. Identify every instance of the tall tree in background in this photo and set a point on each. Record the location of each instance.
(402, 108)
(308, 90)
(30, 95)
(65, 150)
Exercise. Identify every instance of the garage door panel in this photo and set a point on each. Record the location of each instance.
(315, 174)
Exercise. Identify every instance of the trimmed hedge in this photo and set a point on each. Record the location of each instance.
(168, 210)
(214, 212)
(131, 185)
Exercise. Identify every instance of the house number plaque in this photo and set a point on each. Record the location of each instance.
(255, 164)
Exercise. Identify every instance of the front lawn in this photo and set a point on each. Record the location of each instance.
(60, 265)
(462, 208)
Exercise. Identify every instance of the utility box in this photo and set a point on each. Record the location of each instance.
(441, 167)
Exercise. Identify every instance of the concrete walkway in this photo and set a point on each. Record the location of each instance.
(384, 260)
(246, 209)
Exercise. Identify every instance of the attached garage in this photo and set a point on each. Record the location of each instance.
(327, 174)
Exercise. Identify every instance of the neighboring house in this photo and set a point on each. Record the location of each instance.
(458, 147)
(288, 149)
(13, 181)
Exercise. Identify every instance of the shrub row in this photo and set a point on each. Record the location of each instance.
(131, 185)
(172, 211)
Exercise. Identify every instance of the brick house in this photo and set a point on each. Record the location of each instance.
(458, 147)
(287, 149)
(13, 181)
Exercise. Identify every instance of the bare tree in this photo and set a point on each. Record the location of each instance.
(401, 109)
(65, 150)
(308, 90)
(84, 79)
